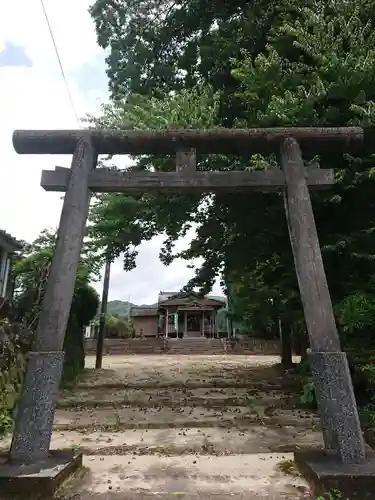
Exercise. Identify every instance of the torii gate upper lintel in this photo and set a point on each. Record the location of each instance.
(217, 140)
(342, 432)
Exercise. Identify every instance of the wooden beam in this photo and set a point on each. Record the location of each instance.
(105, 181)
(220, 140)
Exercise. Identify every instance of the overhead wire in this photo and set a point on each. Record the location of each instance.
(60, 64)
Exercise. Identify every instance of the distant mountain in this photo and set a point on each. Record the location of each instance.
(119, 308)
(122, 308)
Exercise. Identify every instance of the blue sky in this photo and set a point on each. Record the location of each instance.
(33, 96)
(13, 56)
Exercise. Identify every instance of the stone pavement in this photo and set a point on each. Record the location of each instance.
(186, 427)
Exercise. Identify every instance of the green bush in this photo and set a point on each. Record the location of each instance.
(31, 270)
(308, 397)
(84, 307)
(15, 342)
(117, 328)
(356, 313)
(368, 373)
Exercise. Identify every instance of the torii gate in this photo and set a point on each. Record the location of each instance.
(335, 396)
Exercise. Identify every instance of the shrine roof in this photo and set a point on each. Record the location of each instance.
(179, 299)
(143, 311)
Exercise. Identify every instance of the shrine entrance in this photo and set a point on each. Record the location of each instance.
(194, 324)
(189, 315)
(340, 424)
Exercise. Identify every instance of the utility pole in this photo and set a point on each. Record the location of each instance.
(229, 312)
(103, 314)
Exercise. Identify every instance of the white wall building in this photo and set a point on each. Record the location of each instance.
(8, 245)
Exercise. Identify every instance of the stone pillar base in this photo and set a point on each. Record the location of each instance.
(36, 407)
(337, 406)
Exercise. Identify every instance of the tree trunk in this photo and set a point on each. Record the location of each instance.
(304, 353)
(286, 344)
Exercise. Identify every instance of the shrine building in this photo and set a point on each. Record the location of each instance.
(178, 315)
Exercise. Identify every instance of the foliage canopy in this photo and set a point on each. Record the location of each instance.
(244, 63)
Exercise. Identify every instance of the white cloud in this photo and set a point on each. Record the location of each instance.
(36, 98)
(142, 285)
(72, 27)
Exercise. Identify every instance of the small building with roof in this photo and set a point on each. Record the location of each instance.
(178, 315)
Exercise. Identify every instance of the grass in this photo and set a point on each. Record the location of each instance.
(288, 467)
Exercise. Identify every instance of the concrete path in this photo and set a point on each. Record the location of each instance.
(186, 427)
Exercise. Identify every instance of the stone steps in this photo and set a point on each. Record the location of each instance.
(171, 397)
(179, 385)
(142, 349)
(130, 417)
(190, 477)
(205, 428)
(194, 346)
(161, 417)
(181, 441)
(211, 440)
(159, 346)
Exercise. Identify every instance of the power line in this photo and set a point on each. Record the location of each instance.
(60, 64)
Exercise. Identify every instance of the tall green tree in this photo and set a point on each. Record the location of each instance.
(157, 45)
(121, 222)
(296, 63)
(31, 274)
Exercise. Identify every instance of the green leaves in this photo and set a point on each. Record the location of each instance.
(357, 312)
(120, 223)
(31, 271)
(188, 108)
(37, 255)
(165, 46)
(321, 58)
(194, 64)
(117, 327)
(15, 342)
(317, 69)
